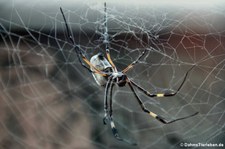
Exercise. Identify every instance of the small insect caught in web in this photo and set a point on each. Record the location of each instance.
(106, 74)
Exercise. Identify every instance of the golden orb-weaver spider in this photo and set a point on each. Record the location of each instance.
(106, 74)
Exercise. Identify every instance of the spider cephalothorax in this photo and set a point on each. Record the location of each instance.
(119, 78)
(106, 74)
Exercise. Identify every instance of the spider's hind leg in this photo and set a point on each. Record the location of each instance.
(107, 87)
(108, 113)
(116, 134)
(154, 115)
(112, 124)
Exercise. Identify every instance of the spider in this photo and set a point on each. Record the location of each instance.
(105, 74)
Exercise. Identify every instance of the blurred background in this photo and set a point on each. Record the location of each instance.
(49, 101)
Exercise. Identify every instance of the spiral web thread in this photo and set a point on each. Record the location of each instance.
(49, 101)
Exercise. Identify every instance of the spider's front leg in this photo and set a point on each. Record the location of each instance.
(134, 62)
(163, 94)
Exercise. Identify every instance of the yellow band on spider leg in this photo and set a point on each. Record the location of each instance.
(152, 114)
(160, 95)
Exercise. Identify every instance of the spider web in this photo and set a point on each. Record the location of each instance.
(48, 100)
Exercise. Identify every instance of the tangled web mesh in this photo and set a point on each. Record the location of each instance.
(48, 100)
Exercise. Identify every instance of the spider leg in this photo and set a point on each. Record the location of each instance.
(112, 124)
(134, 62)
(159, 118)
(106, 39)
(78, 51)
(110, 100)
(162, 94)
(108, 85)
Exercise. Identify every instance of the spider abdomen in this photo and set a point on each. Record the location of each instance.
(102, 64)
